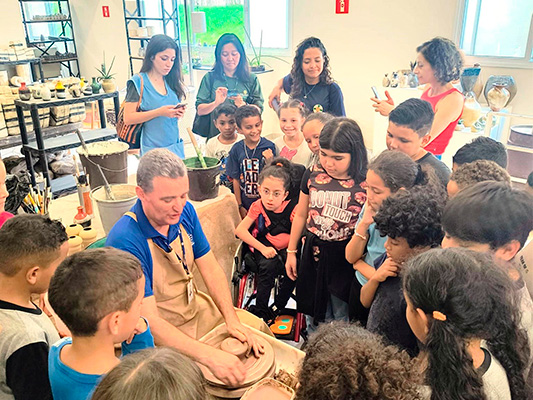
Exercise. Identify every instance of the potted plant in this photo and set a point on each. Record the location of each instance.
(257, 64)
(106, 77)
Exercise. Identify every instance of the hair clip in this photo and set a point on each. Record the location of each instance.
(438, 315)
(302, 104)
(279, 164)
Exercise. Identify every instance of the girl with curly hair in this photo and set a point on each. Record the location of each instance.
(345, 361)
(387, 173)
(310, 80)
(438, 64)
(462, 306)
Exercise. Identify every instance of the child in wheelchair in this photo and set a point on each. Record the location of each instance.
(266, 229)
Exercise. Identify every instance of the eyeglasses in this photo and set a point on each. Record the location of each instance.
(266, 192)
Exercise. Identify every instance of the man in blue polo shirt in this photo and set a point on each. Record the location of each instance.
(163, 231)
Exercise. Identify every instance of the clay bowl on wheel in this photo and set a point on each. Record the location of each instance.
(256, 368)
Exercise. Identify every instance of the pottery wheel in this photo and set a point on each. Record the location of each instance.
(256, 368)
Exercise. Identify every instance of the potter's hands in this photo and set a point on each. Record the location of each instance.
(388, 268)
(141, 327)
(221, 94)
(171, 111)
(276, 94)
(239, 102)
(290, 266)
(269, 252)
(242, 333)
(226, 367)
(384, 107)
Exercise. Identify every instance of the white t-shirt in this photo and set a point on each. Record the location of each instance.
(300, 155)
(214, 148)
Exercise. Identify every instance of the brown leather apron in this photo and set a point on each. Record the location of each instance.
(199, 314)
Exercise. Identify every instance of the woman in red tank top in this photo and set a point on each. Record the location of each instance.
(438, 64)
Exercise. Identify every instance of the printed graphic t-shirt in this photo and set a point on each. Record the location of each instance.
(245, 164)
(334, 204)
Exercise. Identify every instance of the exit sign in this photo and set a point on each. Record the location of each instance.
(341, 6)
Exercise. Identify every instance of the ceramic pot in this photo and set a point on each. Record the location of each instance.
(87, 90)
(506, 80)
(95, 86)
(109, 85)
(88, 235)
(82, 218)
(73, 229)
(394, 80)
(386, 81)
(61, 94)
(75, 91)
(45, 93)
(36, 92)
(74, 244)
(498, 97)
(24, 92)
(471, 110)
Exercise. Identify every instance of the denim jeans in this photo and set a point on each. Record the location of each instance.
(337, 310)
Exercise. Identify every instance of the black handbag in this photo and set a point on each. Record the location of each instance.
(202, 123)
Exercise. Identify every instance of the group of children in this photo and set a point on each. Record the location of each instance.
(358, 240)
(383, 219)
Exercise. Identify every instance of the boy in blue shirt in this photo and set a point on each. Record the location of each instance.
(97, 294)
(247, 157)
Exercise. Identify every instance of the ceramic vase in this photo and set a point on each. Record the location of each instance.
(60, 90)
(73, 229)
(36, 92)
(506, 80)
(109, 85)
(412, 80)
(75, 244)
(471, 110)
(75, 91)
(24, 92)
(498, 97)
(88, 235)
(82, 218)
(394, 80)
(87, 90)
(95, 86)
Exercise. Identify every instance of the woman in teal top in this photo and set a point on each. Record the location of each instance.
(162, 90)
(230, 80)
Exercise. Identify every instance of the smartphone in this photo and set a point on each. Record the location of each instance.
(275, 104)
(376, 95)
(232, 93)
(180, 105)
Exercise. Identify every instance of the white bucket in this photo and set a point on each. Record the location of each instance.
(111, 210)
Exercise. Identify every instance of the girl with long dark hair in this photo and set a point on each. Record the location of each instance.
(463, 308)
(310, 80)
(160, 82)
(230, 81)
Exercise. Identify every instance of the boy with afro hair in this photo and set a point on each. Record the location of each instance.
(411, 220)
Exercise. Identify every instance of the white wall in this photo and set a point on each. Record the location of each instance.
(374, 38)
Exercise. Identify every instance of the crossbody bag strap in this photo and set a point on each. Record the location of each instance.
(140, 94)
(132, 215)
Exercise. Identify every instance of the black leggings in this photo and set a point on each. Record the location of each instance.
(268, 270)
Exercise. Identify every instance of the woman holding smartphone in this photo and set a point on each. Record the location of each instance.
(438, 64)
(160, 83)
(230, 80)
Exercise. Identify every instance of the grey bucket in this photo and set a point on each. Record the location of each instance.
(111, 210)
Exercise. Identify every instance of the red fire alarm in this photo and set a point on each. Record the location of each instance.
(341, 6)
(105, 11)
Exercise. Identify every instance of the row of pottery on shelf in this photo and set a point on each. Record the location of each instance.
(79, 237)
(46, 92)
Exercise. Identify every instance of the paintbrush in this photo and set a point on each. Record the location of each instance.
(198, 152)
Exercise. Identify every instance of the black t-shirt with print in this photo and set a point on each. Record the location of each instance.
(334, 204)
